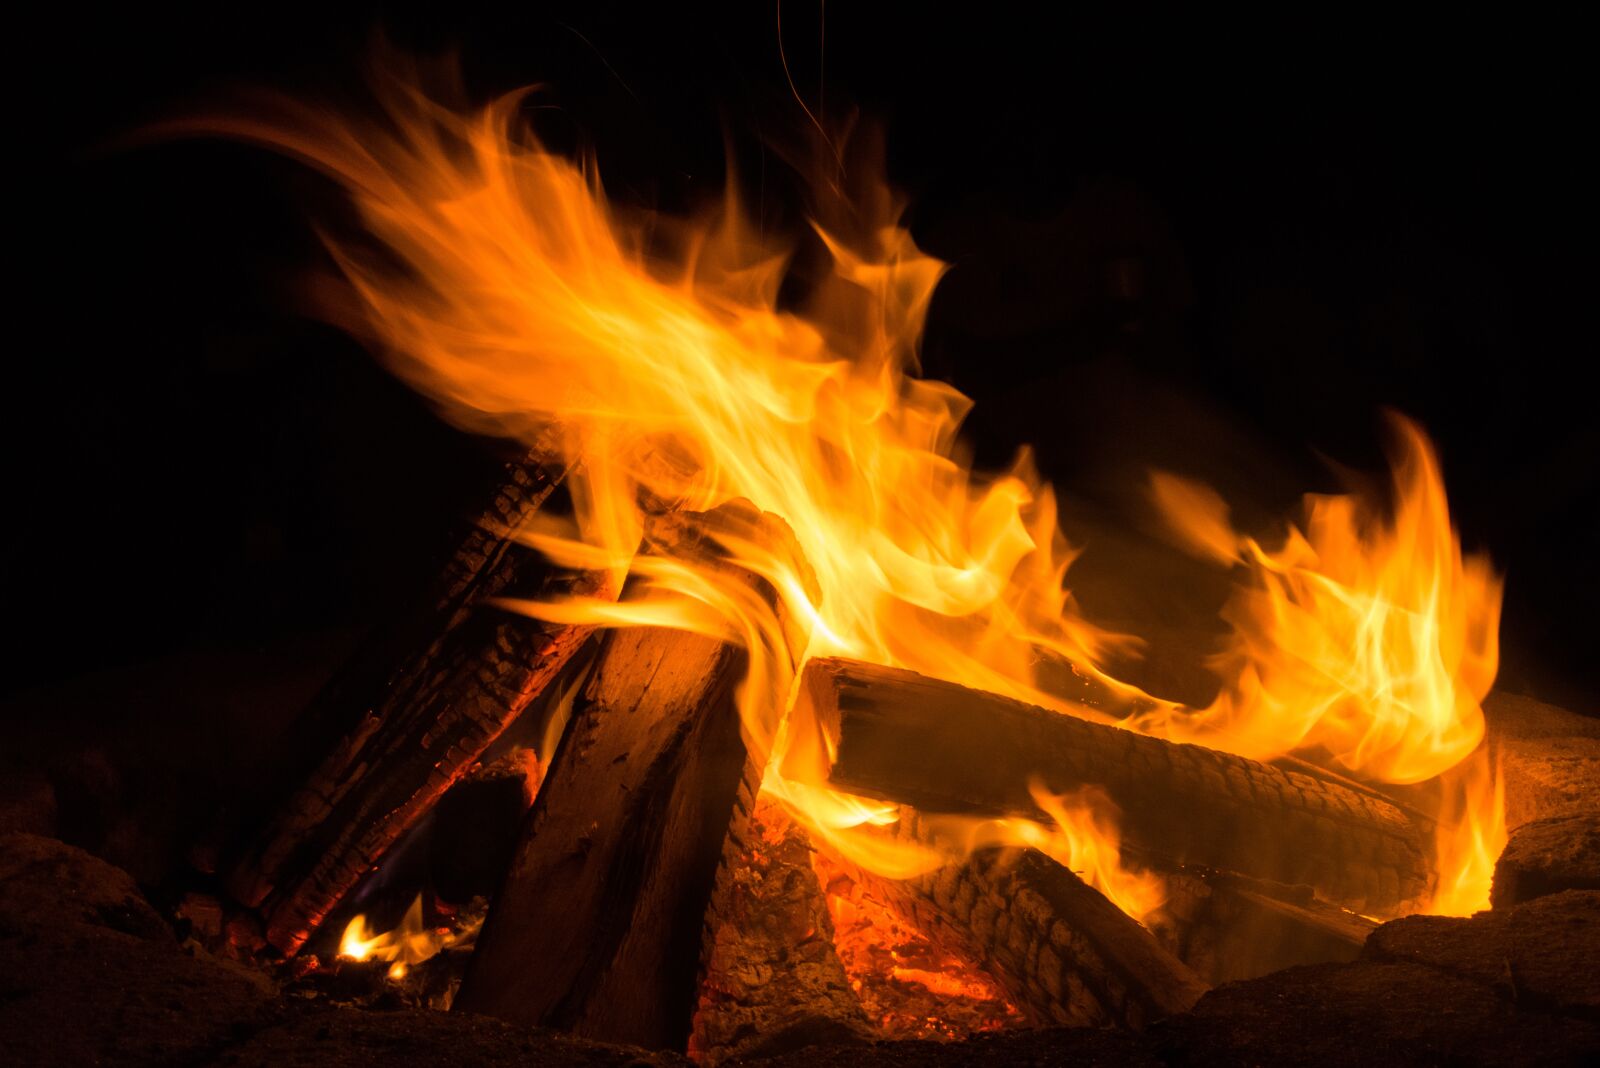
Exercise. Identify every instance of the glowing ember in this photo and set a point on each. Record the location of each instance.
(910, 987)
(653, 353)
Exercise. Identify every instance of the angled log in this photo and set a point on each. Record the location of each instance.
(1228, 927)
(459, 674)
(941, 747)
(1059, 948)
(597, 928)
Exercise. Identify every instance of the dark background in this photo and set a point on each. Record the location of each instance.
(1217, 250)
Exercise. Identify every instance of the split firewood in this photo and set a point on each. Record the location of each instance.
(1059, 948)
(1228, 927)
(597, 928)
(938, 746)
(773, 981)
(459, 673)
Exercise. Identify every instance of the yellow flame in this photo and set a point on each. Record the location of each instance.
(1082, 837)
(654, 354)
(1472, 832)
(1368, 636)
(410, 943)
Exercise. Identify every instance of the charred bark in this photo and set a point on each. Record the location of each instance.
(942, 747)
(459, 673)
(773, 981)
(597, 928)
(1062, 951)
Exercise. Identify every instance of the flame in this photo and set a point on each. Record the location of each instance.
(1472, 832)
(911, 985)
(1084, 839)
(408, 944)
(654, 355)
(1369, 637)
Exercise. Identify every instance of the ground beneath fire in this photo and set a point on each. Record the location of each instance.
(92, 974)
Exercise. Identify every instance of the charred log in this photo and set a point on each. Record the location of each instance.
(597, 928)
(1062, 951)
(942, 747)
(465, 672)
(1228, 927)
(773, 980)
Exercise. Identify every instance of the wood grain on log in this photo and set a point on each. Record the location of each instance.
(941, 747)
(597, 928)
(1063, 952)
(459, 674)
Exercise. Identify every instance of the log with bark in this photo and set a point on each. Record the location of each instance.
(899, 736)
(458, 673)
(597, 928)
(1061, 950)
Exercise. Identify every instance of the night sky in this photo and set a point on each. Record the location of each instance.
(1223, 251)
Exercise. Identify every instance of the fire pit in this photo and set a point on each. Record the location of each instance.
(749, 718)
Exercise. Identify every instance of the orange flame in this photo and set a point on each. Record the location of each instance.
(409, 944)
(654, 355)
(1472, 832)
(1368, 637)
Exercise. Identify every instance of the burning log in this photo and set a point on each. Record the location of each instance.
(464, 675)
(942, 747)
(1229, 927)
(773, 979)
(1062, 951)
(597, 928)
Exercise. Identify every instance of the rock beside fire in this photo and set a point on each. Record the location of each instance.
(1551, 758)
(90, 974)
(1397, 1013)
(1547, 857)
(1540, 955)
(47, 883)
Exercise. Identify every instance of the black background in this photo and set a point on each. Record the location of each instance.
(1221, 250)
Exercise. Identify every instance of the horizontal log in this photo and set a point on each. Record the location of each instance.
(1059, 948)
(902, 737)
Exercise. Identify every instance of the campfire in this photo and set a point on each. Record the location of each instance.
(750, 715)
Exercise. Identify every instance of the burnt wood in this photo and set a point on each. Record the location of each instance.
(942, 747)
(597, 929)
(773, 981)
(1061, 950)
(459, 672)
(1229, 927)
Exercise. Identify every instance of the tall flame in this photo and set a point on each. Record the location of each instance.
(654, 355)
(1368, 637)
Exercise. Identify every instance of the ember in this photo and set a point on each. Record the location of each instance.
(910, 987)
